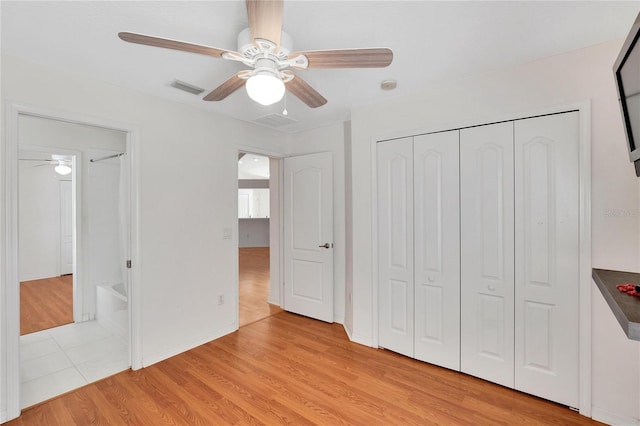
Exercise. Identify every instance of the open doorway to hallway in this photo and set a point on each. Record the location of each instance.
(254, 212)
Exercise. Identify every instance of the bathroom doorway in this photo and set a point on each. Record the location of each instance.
(73, 211)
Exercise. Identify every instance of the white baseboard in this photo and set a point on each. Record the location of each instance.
(612, 419)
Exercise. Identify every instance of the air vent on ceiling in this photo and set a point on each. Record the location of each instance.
(275, 120)
(187, 87)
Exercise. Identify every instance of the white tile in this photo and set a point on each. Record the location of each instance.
(38, 349)
(46, 387)
(44, 365)
(103, 367)
(73, 335)
(34, 337)
(111, 347)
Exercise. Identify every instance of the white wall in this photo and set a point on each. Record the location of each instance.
(576, 76)
(348, 227)
(39, 220)
(330, 139)
(253, 232)
(184, 262)
(275, 258)
(104, 248)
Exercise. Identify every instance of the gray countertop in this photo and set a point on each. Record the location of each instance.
(626, 308)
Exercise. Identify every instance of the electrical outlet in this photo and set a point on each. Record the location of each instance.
(221, 299)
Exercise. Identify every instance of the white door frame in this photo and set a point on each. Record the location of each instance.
(65, 212)
(10, 352)
(584, 109)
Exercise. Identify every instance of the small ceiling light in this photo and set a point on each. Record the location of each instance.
(265, 88)
(62, 168)
(388, 84)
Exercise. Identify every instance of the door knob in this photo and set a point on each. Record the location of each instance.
(491, 288)
(325, 245)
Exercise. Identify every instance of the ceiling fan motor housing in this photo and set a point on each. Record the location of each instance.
(250, 50)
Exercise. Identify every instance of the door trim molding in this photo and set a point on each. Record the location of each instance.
(10, 317)
(584, 109)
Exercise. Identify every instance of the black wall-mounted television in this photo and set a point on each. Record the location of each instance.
(627, 74)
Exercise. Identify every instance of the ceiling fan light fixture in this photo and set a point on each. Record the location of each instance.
(265, 88)
(62, 168)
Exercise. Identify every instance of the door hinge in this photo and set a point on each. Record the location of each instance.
(128, 264)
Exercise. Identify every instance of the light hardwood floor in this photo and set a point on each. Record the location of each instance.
(288, 369)
(254, 285)
(46, 303)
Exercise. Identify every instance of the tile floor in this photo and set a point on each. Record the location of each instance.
(61, 359)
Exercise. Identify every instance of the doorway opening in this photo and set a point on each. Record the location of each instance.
(256, 296)
(46, 238)
(73, 237)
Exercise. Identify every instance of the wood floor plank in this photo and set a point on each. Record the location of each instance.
(254, 285)
(288, 369)
(46, 303)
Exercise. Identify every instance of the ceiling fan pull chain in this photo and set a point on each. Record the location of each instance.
(285, 112)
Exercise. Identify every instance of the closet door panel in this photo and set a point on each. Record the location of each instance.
(547, 257)
(395, 248)
(487, 239)
(437, 249)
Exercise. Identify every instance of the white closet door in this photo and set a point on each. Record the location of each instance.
(437, 249)
(486, 205)
(395, 255)
(547, 257)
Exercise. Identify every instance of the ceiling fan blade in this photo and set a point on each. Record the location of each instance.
(304, 92)
(265, 20)
(171, 44)
(226, 88)
(377, 57)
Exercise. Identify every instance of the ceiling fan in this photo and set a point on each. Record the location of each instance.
(60, 164)
(265, 48)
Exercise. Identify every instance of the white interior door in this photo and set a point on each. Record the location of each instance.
(487, 259)
(547, 257)
(437, 248)
(66, 228)
(308, 235)
(395, 246)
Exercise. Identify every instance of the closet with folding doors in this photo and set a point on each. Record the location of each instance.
(478, 252)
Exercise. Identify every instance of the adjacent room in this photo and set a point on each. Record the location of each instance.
(254, 211)
(319, 212)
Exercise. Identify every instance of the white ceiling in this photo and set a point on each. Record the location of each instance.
(252, 166)
(432, 41)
